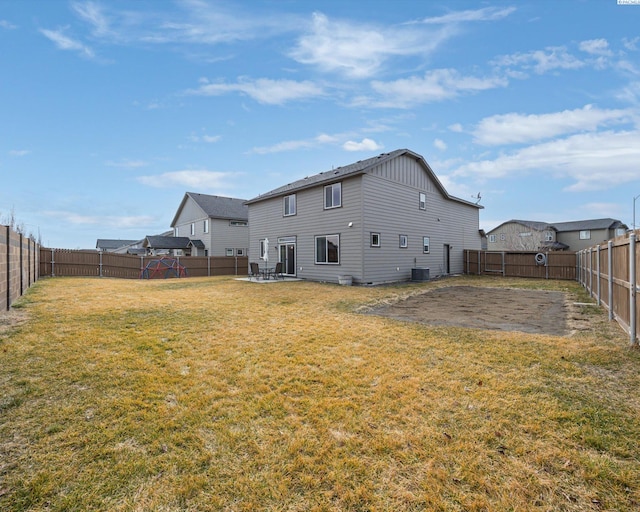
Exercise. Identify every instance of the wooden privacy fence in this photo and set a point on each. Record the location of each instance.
(63, 262)
(608, 272)
(548, 265)
(18, 265)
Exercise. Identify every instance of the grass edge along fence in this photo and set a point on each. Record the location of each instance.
(608, 272)
(72, 263)
(19, 265)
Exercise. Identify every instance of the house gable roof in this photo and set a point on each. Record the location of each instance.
(531, 224)
(215, 207)
(354, 169)
(581, 225)
(109, 243)
(561, 227)
(167, 242)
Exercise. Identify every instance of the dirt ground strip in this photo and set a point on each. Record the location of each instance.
(506, 309)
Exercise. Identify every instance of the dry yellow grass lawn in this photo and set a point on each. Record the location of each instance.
(214, 394)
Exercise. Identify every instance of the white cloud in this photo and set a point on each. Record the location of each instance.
(594, 161)
(92, 13)
(64, 42)
(192, 179)
(211, 138)
(541, 61)
(440, 144)
(456, 127)
(126, 163)
(360, 50)
(485, 14)
(596, 47)
(363, 145)
(7, 25)
(110, 221)
(436, 85)
(19, 152)
(293, 145)
(263, 90)
(516, 128)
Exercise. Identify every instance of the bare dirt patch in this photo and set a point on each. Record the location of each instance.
(10, 319)
(505, 309)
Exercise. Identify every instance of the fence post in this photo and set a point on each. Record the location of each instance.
(209, 266)
(632, 288)
(610, 276)
(178, 261)
(8, 269)
(598, 275)
(53, 263)
(100, 253)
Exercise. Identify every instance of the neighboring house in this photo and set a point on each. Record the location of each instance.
(219, 223)
(374, 220)
(524, 235)
(116, 246)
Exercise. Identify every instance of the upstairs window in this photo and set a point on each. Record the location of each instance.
(426, 244)
(404, 241)
(585, 234)
(492, 238)
(193, 228)
(290, 205)
(205, 227)
(375, 239)
(333, 196)
(238, 223)
(548, 236)
(422, 201)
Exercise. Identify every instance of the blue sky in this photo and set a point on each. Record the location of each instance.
(112, 110)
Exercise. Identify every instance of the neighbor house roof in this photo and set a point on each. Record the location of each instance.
(109, 243)
(354, 169)
(531, 224)
(167, 242)
(216, 207)
(560, 227)
(581, 225)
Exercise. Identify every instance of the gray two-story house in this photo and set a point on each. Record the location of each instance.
(374, 220)
(215, 225)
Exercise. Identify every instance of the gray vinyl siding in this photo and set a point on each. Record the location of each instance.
(572, 238)
(392, 209)
(267, 220)
(384, 200)
(222, 234)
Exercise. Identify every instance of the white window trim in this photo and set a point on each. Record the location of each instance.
(373, 235)
(426, 245)
(585, 234)
(228, 252)
(315, 249)
(324, 199)
(206, 226)
(422, 201)
(193, 229)
(492, 239)
(287, 200)
(403, 241)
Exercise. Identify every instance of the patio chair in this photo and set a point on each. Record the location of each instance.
(254, 271)
(277, 272)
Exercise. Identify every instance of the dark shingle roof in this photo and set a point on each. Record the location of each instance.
(109, 243)
(359, 167)
(581, 225)
(216, 207)
(167, 242)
